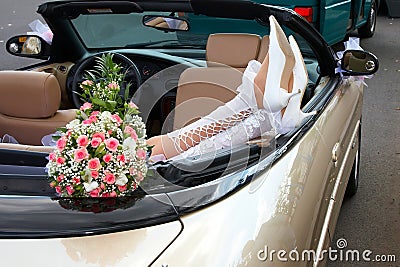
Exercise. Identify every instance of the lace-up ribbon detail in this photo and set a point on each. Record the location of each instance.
(186, 139)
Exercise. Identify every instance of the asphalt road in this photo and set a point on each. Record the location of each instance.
(15, 15)
(371, 219)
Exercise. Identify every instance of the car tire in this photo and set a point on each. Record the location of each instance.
(352, 184)
(368, 29)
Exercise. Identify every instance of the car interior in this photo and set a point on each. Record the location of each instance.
(187, 93)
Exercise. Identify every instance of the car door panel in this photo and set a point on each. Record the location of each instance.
(336, 127)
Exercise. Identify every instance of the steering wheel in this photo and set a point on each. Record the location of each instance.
(132, 75)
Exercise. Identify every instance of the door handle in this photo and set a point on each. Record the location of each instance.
(335, 153)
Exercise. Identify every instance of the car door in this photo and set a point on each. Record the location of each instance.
(338, 129)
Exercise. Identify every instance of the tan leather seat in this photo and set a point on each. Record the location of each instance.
(263, 48)
(202, 90)
(29, 103)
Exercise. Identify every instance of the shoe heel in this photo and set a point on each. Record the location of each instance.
(277, 82)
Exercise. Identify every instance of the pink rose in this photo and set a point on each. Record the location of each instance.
(132, 105)
(113, 86)
(95, 113)
(122, 188)
(86, 106)
(76, 180)
(87, 82)
(87, 122)
(107, 158)
(93, 118)
(61, 143)
(60, 160)
(99, 135)
(60, 177)
(129, 130)
(94, 192)
(82, 141)
(58, 189)
(105, 194)
(53, 184)
(94, 174)
(102, 186)
(94, 164)
(141, 154)
(112, 144)
(121, 158)
(113, 194)
(69, 189)
(52, 156)
(80, 154)
(116, 118)
(95, 142)
(110, 178)
(134, 136)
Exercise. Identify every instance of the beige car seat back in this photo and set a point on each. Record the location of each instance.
(29, 103)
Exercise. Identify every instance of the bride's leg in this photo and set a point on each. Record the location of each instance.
(221, 119)
(277, 81)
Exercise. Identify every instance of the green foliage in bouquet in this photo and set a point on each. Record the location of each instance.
(103, 85)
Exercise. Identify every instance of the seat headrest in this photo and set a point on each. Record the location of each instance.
(29, 94)
(232, 49)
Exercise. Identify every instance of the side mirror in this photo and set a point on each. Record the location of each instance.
(31, 46)
(166, 23)
(358, 62)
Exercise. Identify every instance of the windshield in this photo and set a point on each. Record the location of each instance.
(127, 30)
(99, 31)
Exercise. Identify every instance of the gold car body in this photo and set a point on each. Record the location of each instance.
(293, 205)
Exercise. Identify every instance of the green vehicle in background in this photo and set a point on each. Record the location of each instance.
(334, 19)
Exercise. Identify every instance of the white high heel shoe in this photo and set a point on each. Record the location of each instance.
(281, 62)
(293, 115)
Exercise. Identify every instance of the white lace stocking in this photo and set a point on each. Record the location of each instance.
(218, 121)
(242, 106)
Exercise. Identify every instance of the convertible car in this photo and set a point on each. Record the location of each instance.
(231, 208)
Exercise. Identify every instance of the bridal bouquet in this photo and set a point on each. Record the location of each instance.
(102, 153)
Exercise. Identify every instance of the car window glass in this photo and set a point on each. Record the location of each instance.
(118, 30)
(122, 30)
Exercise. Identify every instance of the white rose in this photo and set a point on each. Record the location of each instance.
(87, 177)
(121, 180)
(73, 123)
(105, 114)
(129, 144)
(90, 186)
